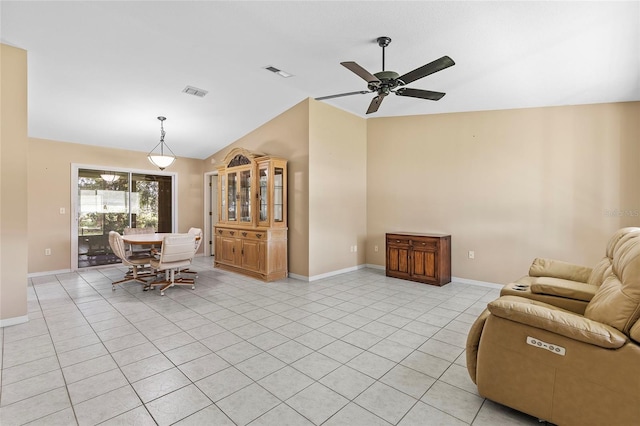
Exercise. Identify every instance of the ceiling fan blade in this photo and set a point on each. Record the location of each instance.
(359, 92)
(375, 103)
(361, 72)
(425, 70)
(419, 93)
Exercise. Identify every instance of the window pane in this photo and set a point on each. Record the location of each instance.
(151, 202)
(231, 194)
(107, 203)
(278, 199)
(264, 195)
(103, 206)
(245, 196)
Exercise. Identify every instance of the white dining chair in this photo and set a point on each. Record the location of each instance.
(197, 232)
(177, 252)
(136, 263)
(139, 250)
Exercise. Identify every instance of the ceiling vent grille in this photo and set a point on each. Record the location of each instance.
(278, 71)
(190, 90)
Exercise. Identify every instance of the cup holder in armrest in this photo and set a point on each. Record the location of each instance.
(521, 287)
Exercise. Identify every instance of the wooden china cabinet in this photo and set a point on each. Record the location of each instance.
(251, 234)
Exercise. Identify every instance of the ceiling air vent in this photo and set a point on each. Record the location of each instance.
(190, 90)
(278, 71)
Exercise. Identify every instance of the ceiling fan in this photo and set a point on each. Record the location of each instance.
(385, 82)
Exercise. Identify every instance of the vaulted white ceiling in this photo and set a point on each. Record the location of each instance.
(101, 72)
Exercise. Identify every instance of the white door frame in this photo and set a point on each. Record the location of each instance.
(74, 200)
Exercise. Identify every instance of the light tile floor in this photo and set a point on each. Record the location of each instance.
(354, 349)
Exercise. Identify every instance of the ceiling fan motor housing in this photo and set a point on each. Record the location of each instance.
(388, 80)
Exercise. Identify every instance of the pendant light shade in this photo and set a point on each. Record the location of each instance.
(161, 159)
(109, 177)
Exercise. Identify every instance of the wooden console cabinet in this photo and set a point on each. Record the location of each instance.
(425, 258)
(251, 233)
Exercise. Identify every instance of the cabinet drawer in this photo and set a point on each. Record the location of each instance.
(244, 234)
(398, 241)
(424, 244)
(253, 235)
(228, 233)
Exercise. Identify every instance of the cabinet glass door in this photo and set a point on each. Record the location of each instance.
(264, 194)
(232, 193)
(278, 194)
(245, 196)
(224, 212)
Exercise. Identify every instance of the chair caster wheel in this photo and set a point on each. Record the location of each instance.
(162, 293)
(113, 288)
(193, 287)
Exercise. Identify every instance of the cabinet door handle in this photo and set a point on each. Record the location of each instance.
(233, 250)
(232, 233)
(220, 231)
(244, 234)
(259, 235)
(397, 241)
(242, 252)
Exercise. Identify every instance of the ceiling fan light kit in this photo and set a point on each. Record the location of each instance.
(385, 82)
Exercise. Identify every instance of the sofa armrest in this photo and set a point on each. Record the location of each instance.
(473, 343)
(558, 269)
(558, 321)
(563, 288)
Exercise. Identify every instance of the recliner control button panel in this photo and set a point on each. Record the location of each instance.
(558, 350)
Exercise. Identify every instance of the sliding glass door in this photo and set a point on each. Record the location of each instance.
(113, 200)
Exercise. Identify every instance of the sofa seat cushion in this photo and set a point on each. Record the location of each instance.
(556, 320)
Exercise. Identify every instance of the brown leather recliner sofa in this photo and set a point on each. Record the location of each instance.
(564, 284)
(561, 366)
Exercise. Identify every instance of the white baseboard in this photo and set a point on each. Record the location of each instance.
(372, 266)
(14, 321)
(327, 274)
(456, 279)
(478, 283)
(42, 274)
(298, 277)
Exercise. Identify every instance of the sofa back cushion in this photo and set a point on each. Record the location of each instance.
(603, 268)
(635, 332)
(617, 301)
(599, 272)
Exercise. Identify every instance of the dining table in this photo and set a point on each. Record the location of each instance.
(150, 239)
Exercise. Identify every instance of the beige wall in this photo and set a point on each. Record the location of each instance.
(337, 189)
(286, 136)
(510, 185)
(49, 187)
(13, 185)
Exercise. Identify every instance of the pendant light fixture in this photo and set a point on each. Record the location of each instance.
(161, 160)
(109, 177)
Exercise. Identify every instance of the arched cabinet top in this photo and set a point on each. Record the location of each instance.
(240, 157)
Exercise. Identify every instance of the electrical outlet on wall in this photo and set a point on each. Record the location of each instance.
(47, 252)
(472, 254)
(375, 248)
